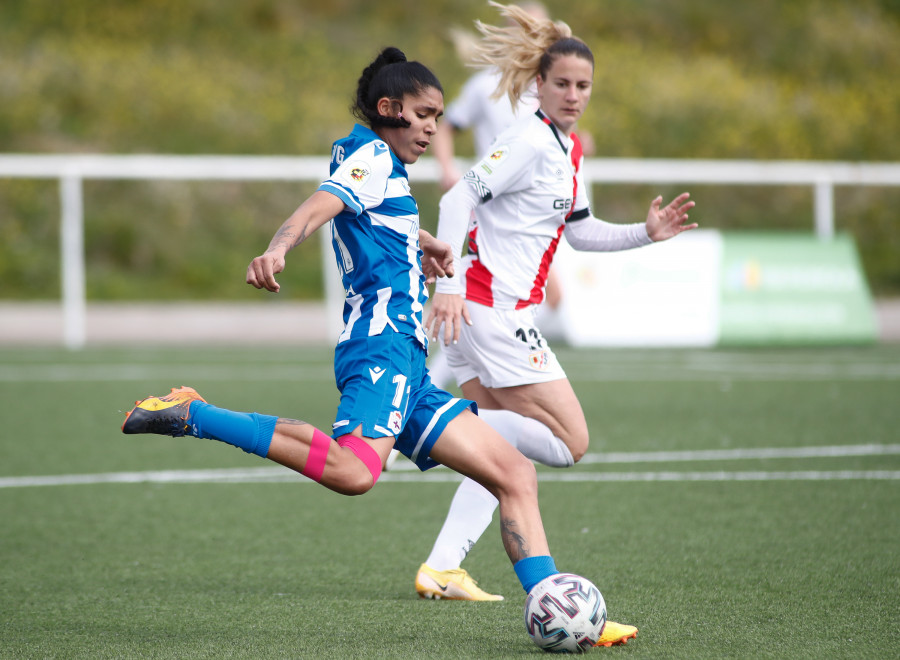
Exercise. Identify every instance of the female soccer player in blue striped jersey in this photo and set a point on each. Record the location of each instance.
(387, 398)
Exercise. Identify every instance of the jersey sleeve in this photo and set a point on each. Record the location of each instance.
(455, 208)
(360, 181)
(590, 234)
(508, 168)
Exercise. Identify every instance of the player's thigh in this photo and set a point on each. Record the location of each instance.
(483, 396)
(472, 448)
(553, 403)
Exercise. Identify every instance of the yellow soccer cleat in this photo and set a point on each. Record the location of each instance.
(455, 584)
(616, 633)
(163, 415)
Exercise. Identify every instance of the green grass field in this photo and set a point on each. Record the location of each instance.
(739, 503)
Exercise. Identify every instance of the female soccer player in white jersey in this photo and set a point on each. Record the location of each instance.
(525, 195)
(386, 262)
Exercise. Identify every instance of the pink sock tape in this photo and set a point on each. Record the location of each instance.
(318, 453)
(364, 452)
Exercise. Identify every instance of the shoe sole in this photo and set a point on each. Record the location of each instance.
(436, 593)
(175, 390)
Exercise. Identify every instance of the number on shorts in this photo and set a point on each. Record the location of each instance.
(535, 342)
(400, 381)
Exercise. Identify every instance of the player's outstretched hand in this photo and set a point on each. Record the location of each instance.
(668, 221)
(262, 270)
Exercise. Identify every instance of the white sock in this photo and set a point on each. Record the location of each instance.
(529, 436)
(470, 514)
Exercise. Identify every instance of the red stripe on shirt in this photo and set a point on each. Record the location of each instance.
(537, 289)
(576, 154)
(479, 281)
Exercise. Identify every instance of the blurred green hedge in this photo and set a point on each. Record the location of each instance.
(808, 79)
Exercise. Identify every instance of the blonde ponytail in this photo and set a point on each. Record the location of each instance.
(516, 51)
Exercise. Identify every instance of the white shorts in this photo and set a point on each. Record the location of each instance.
(502, 348)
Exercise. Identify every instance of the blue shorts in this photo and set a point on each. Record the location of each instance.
(385, 387)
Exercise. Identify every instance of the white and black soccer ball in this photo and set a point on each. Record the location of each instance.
(565, 613)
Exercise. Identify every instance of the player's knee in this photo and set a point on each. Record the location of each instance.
(352, 478)
(521, 476)
(577, 443)
(361, 466)
(357, 482)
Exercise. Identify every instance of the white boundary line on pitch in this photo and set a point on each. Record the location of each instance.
(600, 373)
(412, 475)
(837, 451)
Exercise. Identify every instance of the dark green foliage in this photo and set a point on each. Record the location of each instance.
(813, 79)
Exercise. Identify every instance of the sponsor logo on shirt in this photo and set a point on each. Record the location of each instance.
(376, 373)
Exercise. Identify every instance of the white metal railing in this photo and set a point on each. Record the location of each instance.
(72, 170)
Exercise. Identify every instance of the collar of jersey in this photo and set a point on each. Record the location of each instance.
(544, 118)
(367, 134)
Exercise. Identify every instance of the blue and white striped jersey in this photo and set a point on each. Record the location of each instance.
(376, 239)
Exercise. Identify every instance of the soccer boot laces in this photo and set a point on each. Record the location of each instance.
(162, 415)
(455, 584)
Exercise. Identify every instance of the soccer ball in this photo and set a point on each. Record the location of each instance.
(565, 613)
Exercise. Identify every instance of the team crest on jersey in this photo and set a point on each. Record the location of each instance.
(356, 174)
(395, 421)
(539, 360)
(498, 155)
(494, 159)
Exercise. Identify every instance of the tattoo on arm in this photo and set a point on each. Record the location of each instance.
(288, 238)
(515, 544)
(291, 422)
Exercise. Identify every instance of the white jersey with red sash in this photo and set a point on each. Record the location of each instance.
(528, 186)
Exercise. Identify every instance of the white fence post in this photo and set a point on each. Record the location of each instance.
(824, 209)
(73, 169)
(72, 262)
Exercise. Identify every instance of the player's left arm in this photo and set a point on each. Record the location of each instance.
(318, 209)
(586, 233)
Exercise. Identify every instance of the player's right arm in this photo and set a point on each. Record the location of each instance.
(318, 209)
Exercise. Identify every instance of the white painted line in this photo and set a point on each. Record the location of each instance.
(837, 451)
(583, 371)
(407, 472)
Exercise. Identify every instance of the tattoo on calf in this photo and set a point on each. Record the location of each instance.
(515, 544)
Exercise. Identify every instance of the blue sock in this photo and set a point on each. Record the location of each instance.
(532, 570)
(251, 432)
